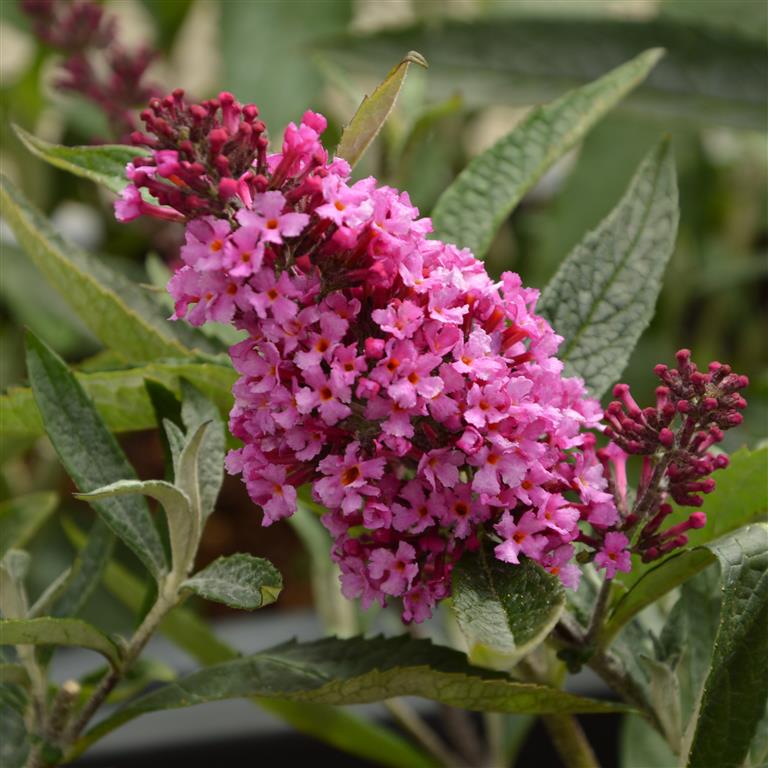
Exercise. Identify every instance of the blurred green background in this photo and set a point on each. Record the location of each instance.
(490, 61)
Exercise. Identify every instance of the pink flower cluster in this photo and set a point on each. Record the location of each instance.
(421, 399)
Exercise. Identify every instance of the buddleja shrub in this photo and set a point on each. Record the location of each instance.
(441, 426)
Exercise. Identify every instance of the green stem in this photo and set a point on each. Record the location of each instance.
(166, 600)
(424, 735)
(570, 742)
(598, 614)
(494, 734)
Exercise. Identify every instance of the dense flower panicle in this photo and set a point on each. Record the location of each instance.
(82, 32)
(420, 399)
(692, 411)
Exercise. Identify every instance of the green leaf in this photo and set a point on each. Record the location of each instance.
(168, 16)
(357, 671)
(89, 453)
(197, 409)
(13, 674)
(184, 533)
(120, 396)
(734, 698)
(13, 594)
(44, 603)
(22, 517)
(688, 636)
(604, 294)
(48, 631)
(758, 750)
(654, 583)
(504, 610)
(470, 211)
(642, 746)
(119, 313)
(664, 696)
(87, 569)
(283, 36)
(374, 111)
(102, 163)
(239, 581)
(14, 740)
(335, 726)
(165, 405)
(135, 680)
(187, 480)
(707, 75)
(747, 17)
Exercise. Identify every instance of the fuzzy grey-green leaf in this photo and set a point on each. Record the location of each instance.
(48, 631)
(102, 163)
(182, 529)
(88, 451)
(195, 410)
(20, 518)
(504, 609)
(734, 698)
(708, 75)
(604, 293)
(118, 312)
(240, 581)
(120, 396)
(470, 211)
(357, 671)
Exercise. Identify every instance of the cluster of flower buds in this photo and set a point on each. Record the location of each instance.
(421, 400)
(79, 30)
(207, 159)
(692, 410)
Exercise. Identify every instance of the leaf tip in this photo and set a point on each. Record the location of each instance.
(414, 57)
(654, 55)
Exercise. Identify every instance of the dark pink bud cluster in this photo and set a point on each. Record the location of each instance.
(692, 411)
(207, 159)
(70, 27)
(83, 33)
(421, 399)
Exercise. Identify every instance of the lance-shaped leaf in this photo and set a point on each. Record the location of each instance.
(604, 294)
(48, 631)
(89, 453)
(655, 583)
(120, 396)
(44, 604)
(504, 610)
(14, 739)
(13, 674)
(734, 698)
(332, 725)
(197, 409)
(102, 163)
(183, 532)
(470, 211)
(374, 111)
(87, 569)
(239, 581)
(118, 312)
(13, 594)
(708, 75)
(358, 671)
(21, 518)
